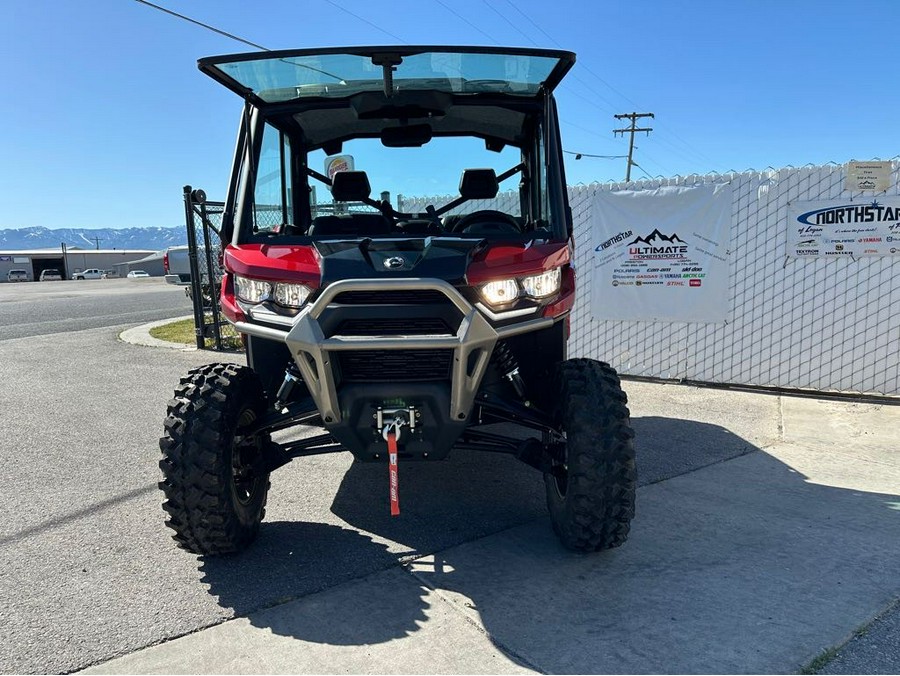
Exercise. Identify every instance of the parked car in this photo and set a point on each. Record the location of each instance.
(92, 273)
(177, 265)
(17, 276)
(136, 274)
(110, 274)
(51, 275)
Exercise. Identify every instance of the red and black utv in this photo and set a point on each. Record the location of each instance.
(402, 328)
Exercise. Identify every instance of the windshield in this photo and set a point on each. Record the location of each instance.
(413, 176)
(283, 76)
(458, 186)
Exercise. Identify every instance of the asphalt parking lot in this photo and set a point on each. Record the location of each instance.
(768, 531)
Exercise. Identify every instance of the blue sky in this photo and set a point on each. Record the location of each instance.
(106, 117)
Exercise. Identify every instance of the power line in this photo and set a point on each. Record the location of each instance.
(462, 18)
(531, 21)
(578, 156)
(631, 130)
(680, 151)
(364, 20)
(515, 28)
(642, 169)
(231, 36)
(203, 25)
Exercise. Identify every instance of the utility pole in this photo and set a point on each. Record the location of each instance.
(631, 130)
(97, 241)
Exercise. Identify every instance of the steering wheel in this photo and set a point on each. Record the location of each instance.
(493, 220)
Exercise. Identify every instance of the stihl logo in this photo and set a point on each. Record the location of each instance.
(695, 282)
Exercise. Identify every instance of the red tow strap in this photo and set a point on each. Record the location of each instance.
(392, 468)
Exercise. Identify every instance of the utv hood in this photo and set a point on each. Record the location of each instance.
(435, 257)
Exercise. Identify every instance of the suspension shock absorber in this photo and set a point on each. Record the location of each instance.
(291, 377)
(508, 366)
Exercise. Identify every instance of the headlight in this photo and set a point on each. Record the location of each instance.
(291, 295)
(500, 292)
(252, 290)
(542, 285)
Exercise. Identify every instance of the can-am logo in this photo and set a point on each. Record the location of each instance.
(851, 213)
(656, 245)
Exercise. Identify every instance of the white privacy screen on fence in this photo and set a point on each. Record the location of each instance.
(822, 323)
(818, 323)
(661, 254)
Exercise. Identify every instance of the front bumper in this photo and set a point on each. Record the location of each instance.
(312, 351)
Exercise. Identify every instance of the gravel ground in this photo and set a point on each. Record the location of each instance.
(874, 650)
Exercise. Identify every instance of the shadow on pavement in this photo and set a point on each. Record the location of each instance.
(292, 560)
(736, 568)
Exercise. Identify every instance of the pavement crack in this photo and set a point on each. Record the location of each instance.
(780, 418)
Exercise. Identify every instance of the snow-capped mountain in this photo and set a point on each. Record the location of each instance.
(105, 238)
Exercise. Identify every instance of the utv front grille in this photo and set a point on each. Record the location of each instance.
(392, 297)
(394, 326)
(366, 366)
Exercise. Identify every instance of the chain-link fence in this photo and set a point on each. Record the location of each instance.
(507, 202)
(204, 221)
(825, 324)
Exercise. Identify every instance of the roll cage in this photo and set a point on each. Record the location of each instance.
(322, 116)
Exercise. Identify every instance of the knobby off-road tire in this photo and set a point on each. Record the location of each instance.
(591, 496)
(213, 501)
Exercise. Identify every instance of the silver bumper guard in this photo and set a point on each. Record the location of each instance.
(472, 345)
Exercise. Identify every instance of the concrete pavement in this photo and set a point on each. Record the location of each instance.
(779, 543)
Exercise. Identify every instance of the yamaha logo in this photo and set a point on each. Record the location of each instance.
(394, 262)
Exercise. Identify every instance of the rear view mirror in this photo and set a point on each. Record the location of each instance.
(409, 136)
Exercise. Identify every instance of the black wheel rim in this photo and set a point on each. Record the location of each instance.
(245, 451)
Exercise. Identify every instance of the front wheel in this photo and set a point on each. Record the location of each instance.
(590, 493)
(214, 487)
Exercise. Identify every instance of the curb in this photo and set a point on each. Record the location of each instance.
(140, 335)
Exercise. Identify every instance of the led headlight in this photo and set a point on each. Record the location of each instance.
(252, 290)
(500, 292)
(291, 295)
(542, 285)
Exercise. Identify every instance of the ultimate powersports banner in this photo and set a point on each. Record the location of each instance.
(839, 227)
(662, 254)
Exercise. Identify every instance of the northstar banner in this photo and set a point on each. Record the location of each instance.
(839, 227)
(662, 254)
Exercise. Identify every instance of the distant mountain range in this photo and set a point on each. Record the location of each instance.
(104, 238)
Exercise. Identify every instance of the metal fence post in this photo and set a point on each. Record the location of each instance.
(211, 280)
(196, 291)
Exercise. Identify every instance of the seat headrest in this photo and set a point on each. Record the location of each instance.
(350, 186)
(479, 184)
